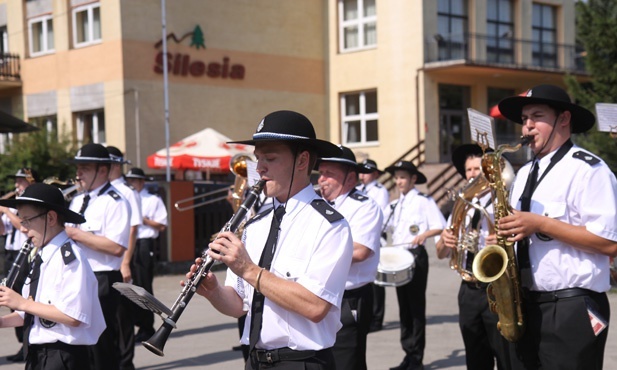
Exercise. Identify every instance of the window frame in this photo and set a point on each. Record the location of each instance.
(448, 48)
(500, 39)
(360, 23)
(363, 117)
(89, 9)
(96, 129)
(545, 58)
(43, 19)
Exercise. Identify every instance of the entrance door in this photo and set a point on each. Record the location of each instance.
(453, 126)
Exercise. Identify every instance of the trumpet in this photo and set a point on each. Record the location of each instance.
(238, 165)
(156, 343)
(69, 188)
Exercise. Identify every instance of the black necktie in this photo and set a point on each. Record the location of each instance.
(29, 318)
(524, 264)
(84, 205)
(265, 261)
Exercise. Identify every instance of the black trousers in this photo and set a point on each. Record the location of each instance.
(379, 305)
(104, 355)
(412, 309)
(57, 356)
(322, 360)
(142, 269)
(125, 317)
(559, 334)
(484, 346)
(9, 258)
(356, 315)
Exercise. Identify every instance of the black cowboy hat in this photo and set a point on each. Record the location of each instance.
(23, 173)
(291, 126)
(91, 153)
(371, 165)
(116, 155)
(553, 96)
(409, 167)
(347, 158)
(462, 152)
(45, 196)
(135, 173)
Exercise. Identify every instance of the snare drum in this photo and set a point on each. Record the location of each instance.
(395, 267)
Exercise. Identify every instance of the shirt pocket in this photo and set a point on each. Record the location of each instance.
(289, 268)
(556, 210)
(92, 226)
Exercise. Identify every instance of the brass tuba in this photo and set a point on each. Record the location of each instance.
(496, 264)
(466, 236)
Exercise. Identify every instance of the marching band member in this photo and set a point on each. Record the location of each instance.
(62, 315)
(290, 267)
(337, 179)
(566, 210)
(484, 346)
(416, 217)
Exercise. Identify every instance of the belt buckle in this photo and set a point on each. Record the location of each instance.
(269, 357)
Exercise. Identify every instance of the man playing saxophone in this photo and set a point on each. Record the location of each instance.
(565, 226)
(484, 346)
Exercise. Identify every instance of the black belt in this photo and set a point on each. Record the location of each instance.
(271, 356)
(358, 292)
(476, 285)
(58, 346)
(543, 297)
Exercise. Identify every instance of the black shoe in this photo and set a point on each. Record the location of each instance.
(18, 357)
(237, 348)
(405, 365)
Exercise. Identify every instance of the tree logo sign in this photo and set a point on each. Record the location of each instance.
(197, 38)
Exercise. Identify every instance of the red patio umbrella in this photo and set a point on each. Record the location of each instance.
(494, 111)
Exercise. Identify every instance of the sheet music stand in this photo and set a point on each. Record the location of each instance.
(142, 298)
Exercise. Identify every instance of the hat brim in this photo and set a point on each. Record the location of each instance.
(69, 216)
(323, 148)
(359, 168)
(460, 154)
(90, 160)
(421, 179)
(582, 119)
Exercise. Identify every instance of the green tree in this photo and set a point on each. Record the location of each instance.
(596, 24)
(198, 38)
(39, 151)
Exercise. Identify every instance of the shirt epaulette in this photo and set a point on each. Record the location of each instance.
(67, 253)
(114, 195)
(424, 195)
(358, 196)
(258, 216)
(378, 185)
(586, 157)
(326, 210)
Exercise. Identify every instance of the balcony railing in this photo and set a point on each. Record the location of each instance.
(9, 67)
(504, 51)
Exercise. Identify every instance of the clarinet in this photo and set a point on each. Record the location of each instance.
(156, 343)
(16, 268)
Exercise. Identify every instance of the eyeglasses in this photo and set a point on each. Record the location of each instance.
(26, 221)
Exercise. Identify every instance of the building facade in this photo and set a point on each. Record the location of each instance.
(378, 76)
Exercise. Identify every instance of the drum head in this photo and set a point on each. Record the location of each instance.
(395, 259)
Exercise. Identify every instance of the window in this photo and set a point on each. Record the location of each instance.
(357, 24)
(41, 32)
(48, 124)
(86, 25)
(90, 127)
(360, 118)
(500, 30)
(452, 19)
(544, 36)
(4, 40)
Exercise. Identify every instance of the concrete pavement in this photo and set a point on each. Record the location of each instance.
(204, 337)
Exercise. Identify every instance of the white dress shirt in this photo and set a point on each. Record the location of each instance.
(312, 252)
(581, 193)
(73, 289)
(153, 208)
(107, 215)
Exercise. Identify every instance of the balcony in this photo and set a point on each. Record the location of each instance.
(504, 52)
(9, 68)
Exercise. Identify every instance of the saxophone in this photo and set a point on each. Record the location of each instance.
(467, 237)
(496, 264)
